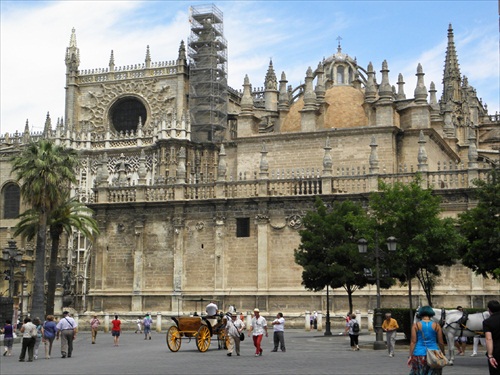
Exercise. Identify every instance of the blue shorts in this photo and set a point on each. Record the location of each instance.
(115, 333)
(147, 329)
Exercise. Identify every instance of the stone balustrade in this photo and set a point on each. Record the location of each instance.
(307, 186)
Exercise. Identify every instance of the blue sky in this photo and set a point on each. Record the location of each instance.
(295, 34)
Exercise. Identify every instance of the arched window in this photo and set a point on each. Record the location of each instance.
(11, 201)
(340, 75)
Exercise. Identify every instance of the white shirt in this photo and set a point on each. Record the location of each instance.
(258, 326)
(280, 327)
(66, 323)
(29, 330)
(211, 309)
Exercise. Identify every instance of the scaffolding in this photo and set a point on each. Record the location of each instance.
(207, 51)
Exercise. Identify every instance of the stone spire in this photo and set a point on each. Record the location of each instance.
(370, 89)
(401, 88)
(309, 95)
(26, 133)
(422, 154)
(385, 89)
(246, 99)
(270, 82)
(320, 85)
(271, 89)
(72, 54)
(148, 58)
(283, 94)
(182, 52)
(47, 130)
(420, 90)
(451, 75)
(112, 62)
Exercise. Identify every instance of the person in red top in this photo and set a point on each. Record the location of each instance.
(116, 329)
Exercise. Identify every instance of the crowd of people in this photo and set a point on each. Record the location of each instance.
(425, 334)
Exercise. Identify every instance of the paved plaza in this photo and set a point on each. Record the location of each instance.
(307, 353)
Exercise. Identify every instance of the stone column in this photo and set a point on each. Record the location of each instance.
(220, 222)
(262, 222)
(178, 227)
(138, 266)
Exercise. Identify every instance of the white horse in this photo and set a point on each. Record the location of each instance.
(457, 323)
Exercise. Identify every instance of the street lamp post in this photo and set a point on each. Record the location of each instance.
(363, 248)
(23, 271)
(328, 332)
(13, 256)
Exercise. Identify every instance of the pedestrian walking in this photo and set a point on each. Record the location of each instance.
(147, 323)
(425, 334)
(66, 330)
(94, 327)
(8, 337)
(491, 329)
(138, 323)
(390, 327)
(116, 330)
(233, 330)
(48, 335)
(279, 332)
(38, 323)
(353, 329)
(29, 333)
(257, 328)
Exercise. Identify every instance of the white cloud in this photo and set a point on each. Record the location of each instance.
(34, 37)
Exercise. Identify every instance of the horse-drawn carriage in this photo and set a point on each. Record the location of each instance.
(199, 328)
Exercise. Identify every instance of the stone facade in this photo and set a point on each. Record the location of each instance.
(185, 221)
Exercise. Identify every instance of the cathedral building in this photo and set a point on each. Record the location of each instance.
(199, 189)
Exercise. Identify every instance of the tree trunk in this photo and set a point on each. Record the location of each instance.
(38, 300)
(349, 296)
(409, 294)
(55, 235)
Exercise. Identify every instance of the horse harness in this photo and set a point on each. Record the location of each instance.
(462, 323)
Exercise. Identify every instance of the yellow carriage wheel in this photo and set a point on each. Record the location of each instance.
(203, 338)
(173, 339)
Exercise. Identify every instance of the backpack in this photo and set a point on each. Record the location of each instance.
(355, 327)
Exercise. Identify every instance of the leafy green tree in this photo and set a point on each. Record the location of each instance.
(70, 215)
(425, 241)
(481, 227)
(328, 250)
(45, 172)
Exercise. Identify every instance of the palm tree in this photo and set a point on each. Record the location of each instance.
(46, 172)
(68, 216)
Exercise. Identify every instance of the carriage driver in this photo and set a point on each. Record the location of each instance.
(211, 311)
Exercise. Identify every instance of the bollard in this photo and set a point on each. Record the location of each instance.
(106, 323)
(319, 323)
(308, 321)
(158, 322)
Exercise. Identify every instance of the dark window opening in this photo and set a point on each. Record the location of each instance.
(125, 113)
(243, 227)
(11, 201)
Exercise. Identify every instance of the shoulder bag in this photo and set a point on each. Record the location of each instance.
(434, 358)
